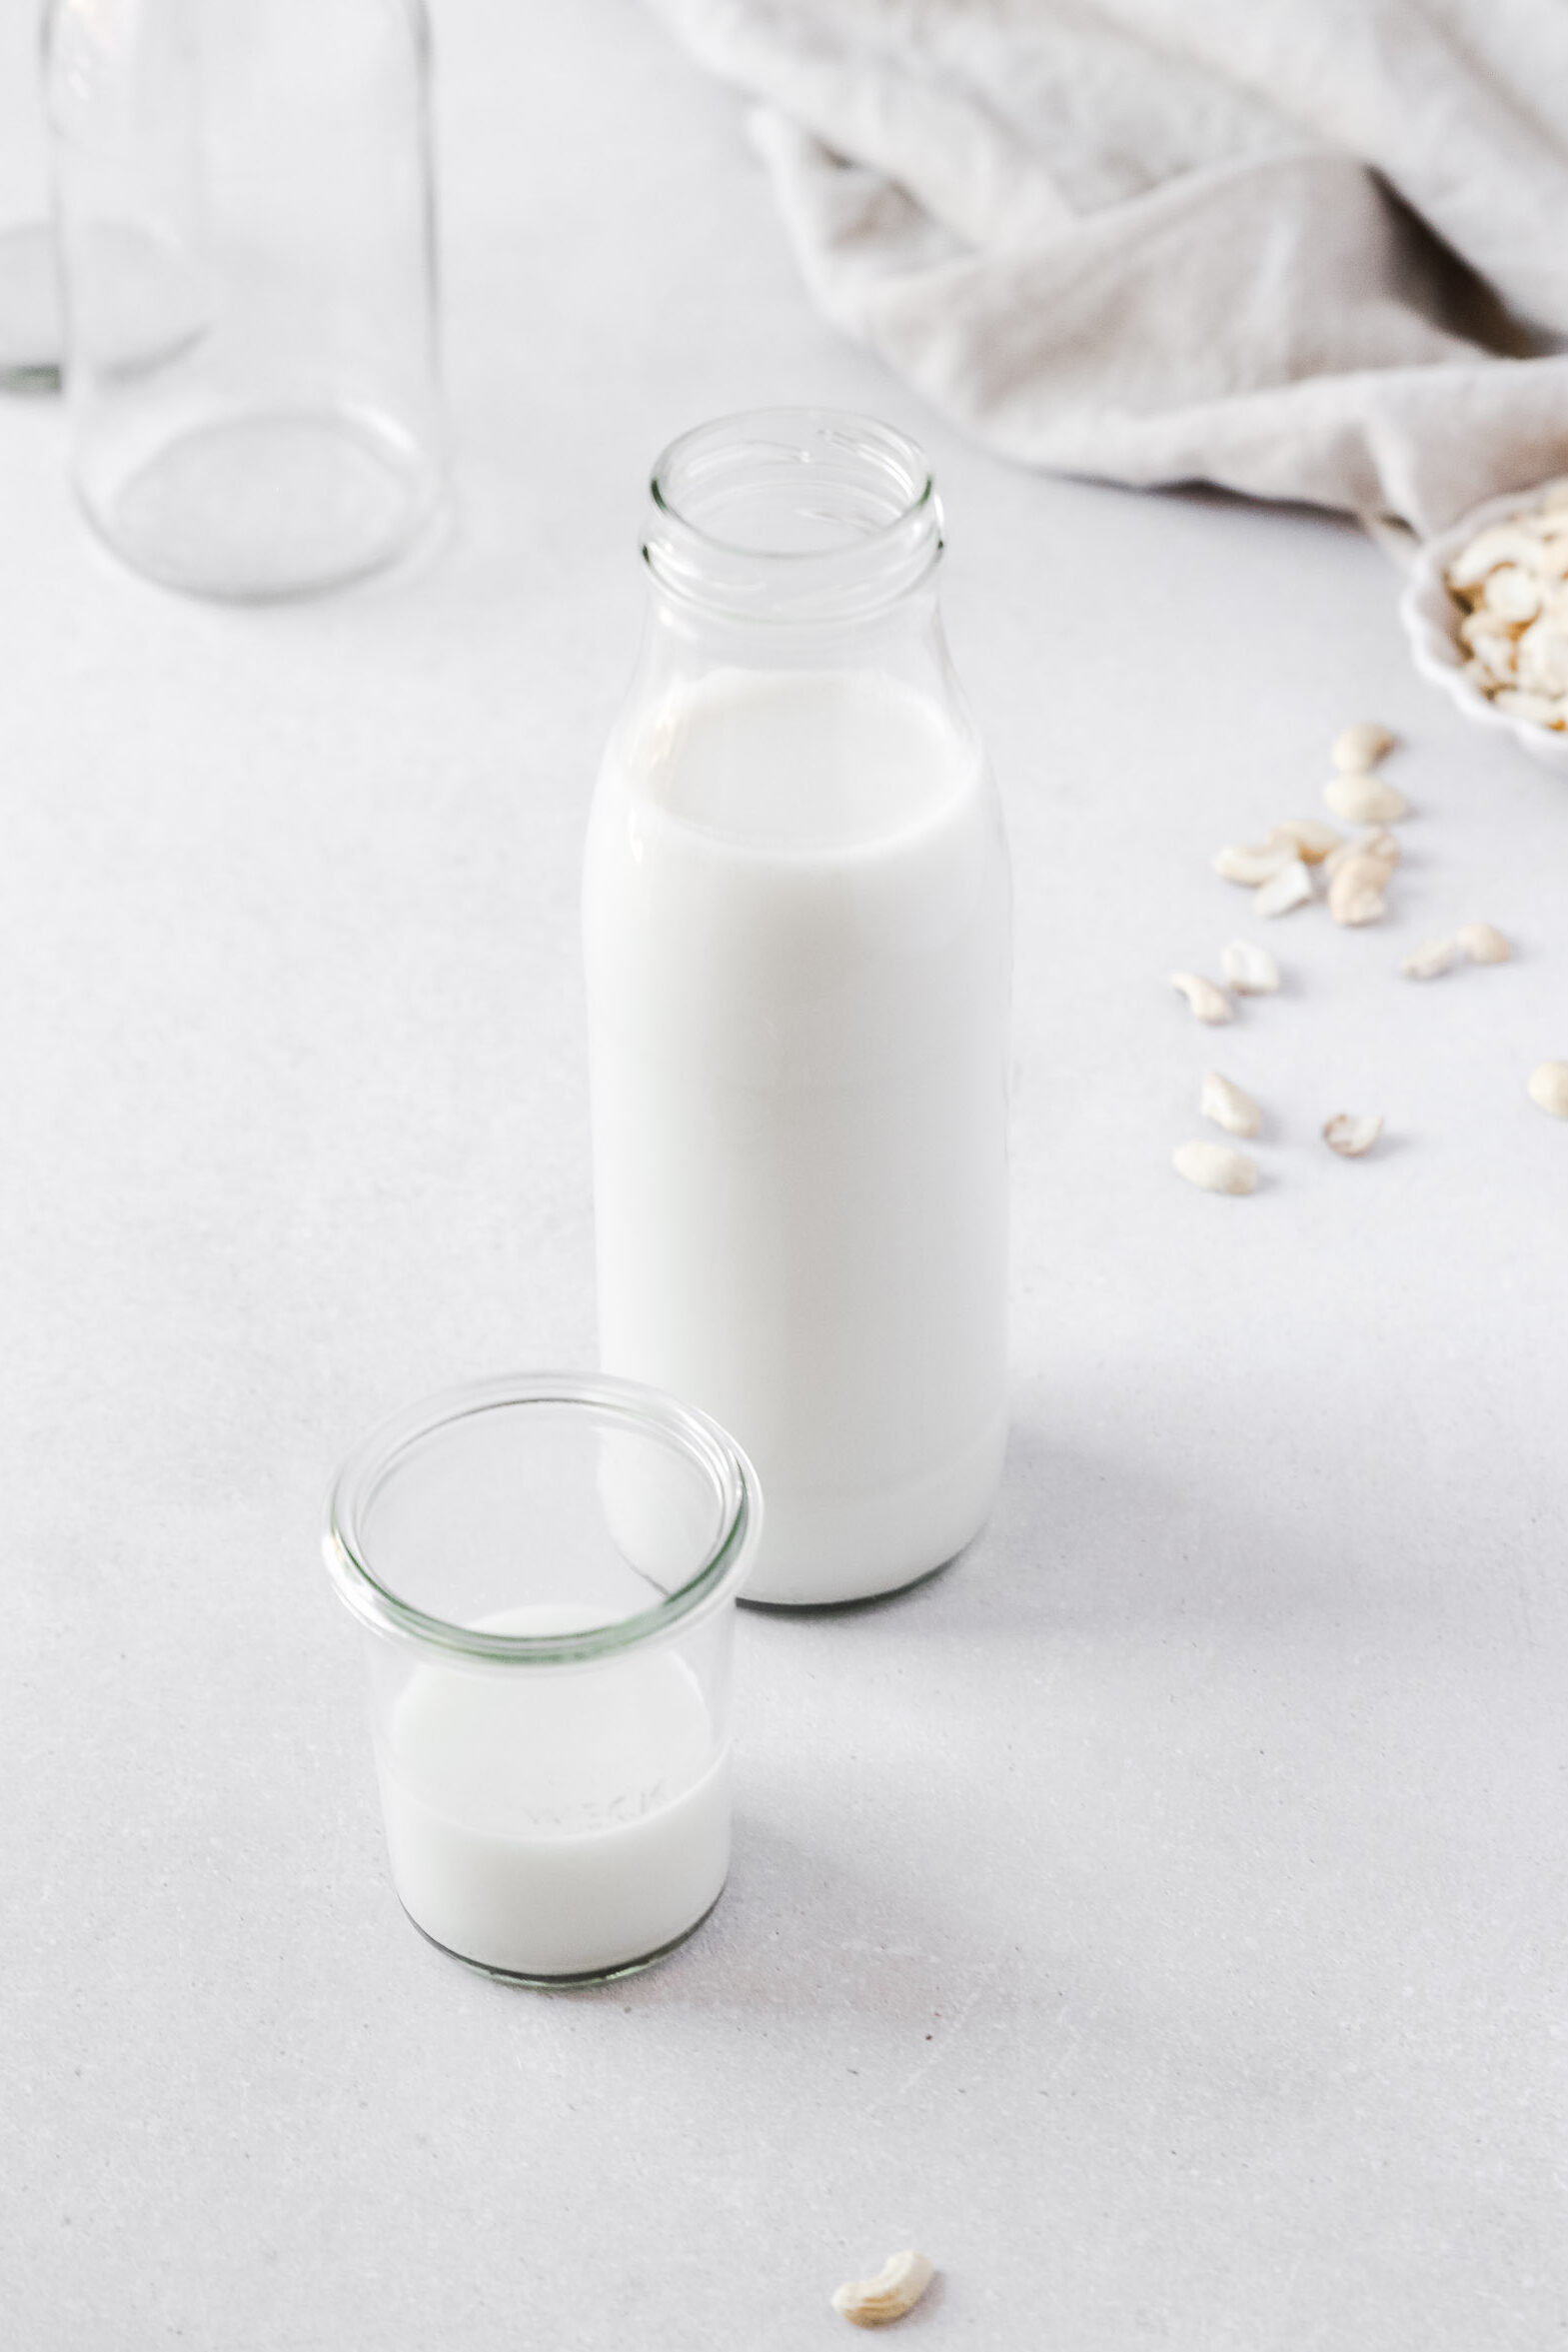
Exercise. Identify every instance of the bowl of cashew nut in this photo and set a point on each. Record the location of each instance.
(1485, 608)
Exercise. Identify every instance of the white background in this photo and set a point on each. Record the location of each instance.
(1158, 1916)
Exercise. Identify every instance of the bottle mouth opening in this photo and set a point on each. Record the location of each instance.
(793, 514)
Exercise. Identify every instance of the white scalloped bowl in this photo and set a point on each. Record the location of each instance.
(1432, 618)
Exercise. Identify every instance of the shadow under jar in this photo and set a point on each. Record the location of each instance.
(245, 219)
(545, 1570)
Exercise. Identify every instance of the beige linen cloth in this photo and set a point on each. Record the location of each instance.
(1308, 249)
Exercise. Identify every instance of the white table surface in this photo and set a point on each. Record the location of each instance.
(1159, 1917)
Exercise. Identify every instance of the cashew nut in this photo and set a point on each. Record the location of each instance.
(1361, 747)
(1207, 1001)
(879, 2301)
(1365, 799)
(1215, 1167)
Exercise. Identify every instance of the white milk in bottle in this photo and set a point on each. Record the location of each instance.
(796, 923)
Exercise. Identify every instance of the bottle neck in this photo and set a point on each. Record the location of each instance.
(789, 526)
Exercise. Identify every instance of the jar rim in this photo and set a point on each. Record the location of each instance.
(598, 1397)
(867, 488)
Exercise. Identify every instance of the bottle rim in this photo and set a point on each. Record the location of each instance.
(793, 514)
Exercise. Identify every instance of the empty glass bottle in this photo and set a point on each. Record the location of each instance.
(245, 219)
(29, 302)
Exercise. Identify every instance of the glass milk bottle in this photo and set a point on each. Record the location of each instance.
(796, 926)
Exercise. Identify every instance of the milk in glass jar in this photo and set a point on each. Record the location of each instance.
(796, 922)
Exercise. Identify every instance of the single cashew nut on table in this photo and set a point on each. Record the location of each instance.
(1361, 747)
(1250, 970)
(1207, 1001)
(896, 2288)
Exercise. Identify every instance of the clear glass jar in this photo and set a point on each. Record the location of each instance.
(545, 1569)
(797, 928)
(29, 293)
(244, 205)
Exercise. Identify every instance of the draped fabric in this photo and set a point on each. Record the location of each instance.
(1307, 249)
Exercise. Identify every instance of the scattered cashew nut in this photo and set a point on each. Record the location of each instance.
(1308, 838)
(1251, 862)
(1361, 747)
(1351, 1136)
(1379, 844)
(1215, 1167)
(1356, 893)
(1228, 1106)
(896, 2288)
(1207, 1001)
(1279, 869)
(1431, 960)
(1549, 1088)
(1290, 887)
(1366, 799)
(1250, 970)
